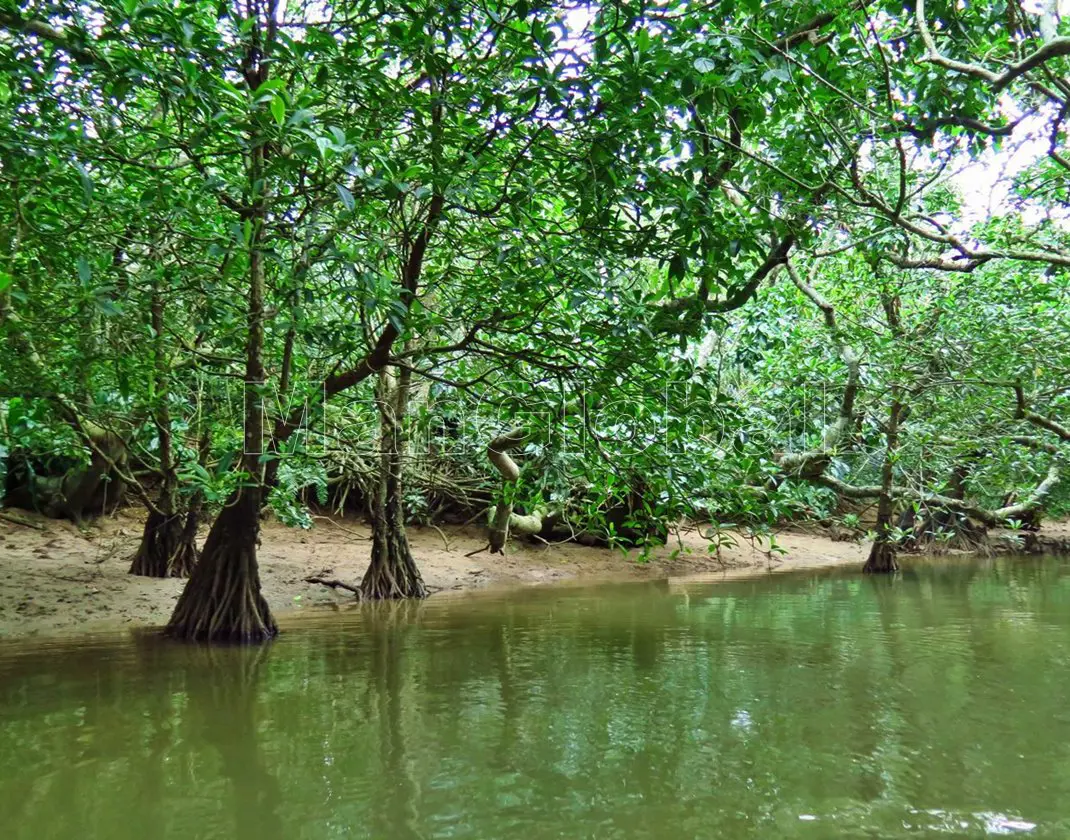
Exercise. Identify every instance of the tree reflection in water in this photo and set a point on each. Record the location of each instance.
(222, 687)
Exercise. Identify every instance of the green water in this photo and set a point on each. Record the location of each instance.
(799, 706)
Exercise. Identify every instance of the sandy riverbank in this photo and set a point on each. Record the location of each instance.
(55, 579)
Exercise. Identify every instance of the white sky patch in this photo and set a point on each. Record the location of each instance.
(1035, 7)
(986, 184)
(578, 19)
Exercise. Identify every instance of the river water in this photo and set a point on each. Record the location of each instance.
(810, 705)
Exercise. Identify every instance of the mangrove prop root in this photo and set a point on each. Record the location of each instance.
(392, 572)
(167, 547)
(222, 601)
(881, 559)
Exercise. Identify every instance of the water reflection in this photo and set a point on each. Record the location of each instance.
(392, 624)
(805, 706)
(222, 685)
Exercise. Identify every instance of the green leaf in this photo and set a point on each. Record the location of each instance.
(108, 306)
(5, 280)
(271, 84)
(85, 273)
(346, 196)
(302, 116)
(87, 182)
(278, 110)
(780, 73)
(678, 266)
(704, 65)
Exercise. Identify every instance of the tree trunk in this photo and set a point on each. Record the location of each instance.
(392, 572)
(222, 601)
(193, 521)
(882, 559)
(167, 548)
(882, 554)
(169, 542)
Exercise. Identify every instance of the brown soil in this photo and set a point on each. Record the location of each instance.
(55, 578)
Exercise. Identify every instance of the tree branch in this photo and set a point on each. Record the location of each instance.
(1052, 49)
(813, 463)
(1022, 412)
(57, 37)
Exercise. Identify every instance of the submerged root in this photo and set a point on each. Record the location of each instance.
(222, 601)
(881, 558)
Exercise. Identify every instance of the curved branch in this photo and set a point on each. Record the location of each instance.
(667, 313)
(1022, 412)
(503, 519)
(1052, 49)
(991, 518)
(812, 463)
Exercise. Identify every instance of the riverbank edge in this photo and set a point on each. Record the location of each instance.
(56, 580)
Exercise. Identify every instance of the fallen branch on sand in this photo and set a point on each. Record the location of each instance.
(335, 584)
(349, 531)
(25, 523)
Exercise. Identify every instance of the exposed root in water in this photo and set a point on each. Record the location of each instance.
(222, 601)
(335, 584)
(881, 559)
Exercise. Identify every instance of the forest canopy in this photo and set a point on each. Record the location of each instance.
(578, 271)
